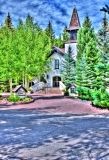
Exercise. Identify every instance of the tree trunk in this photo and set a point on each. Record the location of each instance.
(26, 82)
(23, 79)
(10, 83)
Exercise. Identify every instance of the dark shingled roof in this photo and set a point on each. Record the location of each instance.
(74, 23)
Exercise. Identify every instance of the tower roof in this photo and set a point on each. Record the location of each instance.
(74, 22)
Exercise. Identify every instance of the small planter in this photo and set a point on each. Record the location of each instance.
(5, 102)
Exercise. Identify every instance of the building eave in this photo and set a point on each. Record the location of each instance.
(58, 50)
(71, 41)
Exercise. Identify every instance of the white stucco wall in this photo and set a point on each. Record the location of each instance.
(54, 72)
(74, 49)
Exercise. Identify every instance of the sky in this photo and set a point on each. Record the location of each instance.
(57, 11)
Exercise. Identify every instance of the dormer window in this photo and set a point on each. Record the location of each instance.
(56, 63)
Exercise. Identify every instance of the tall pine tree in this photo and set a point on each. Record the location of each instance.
(84, 35)
(87, 46)
(82, 73)
(103, 39)
(65, 35)
(68, 66)
(8, 22)
(50, 33)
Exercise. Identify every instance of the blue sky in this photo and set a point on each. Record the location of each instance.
(57, 11)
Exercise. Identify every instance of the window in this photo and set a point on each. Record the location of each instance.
(72, 90)
(47, 76)
(56, 64)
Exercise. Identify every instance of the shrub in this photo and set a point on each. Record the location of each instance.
(29, 89)
(96, 94)
(66, 93)
(13, 98)
(1, 97)
(26, 99)
(96, 102)
(84, 92)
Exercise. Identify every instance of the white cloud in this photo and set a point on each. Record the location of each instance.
(58, 11)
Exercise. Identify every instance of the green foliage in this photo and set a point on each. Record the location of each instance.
(100, 98)
(26, 99)
(65, 35)
(103, 41)
(82, 73)
(8, 22)
(13, 98)
(24, 52)
(68, 66)
(103, 44)
(1, 97)
(85, 34)
(59, 42)
(50, 33)
(88, 57)
(84, 93)
(66, 93)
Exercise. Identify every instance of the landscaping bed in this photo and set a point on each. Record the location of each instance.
(11, 100)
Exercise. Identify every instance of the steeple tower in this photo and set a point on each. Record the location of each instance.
(74, 25)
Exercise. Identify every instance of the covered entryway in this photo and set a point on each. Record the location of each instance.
(56, 80)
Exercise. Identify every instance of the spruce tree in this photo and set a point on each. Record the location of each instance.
(65, 35)
(8, 22)
(103, 44)
(67, 70)
(105, 9)
(103, 39)
(87, 46)
(84, 35)
(50, 33)
(59, 42)
(82, 73)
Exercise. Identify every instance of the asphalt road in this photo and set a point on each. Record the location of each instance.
(31, 135)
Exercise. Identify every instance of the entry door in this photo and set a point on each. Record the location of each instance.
(56, 80)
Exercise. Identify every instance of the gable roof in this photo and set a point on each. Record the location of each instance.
(19, 87)
(74, 22)
(58, 50)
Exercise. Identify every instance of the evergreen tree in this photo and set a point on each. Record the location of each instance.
(105, 9)
(87, 46)
(50, 33)
(82, 73)
(59, 42)
(103, 44)
(29, 24)
(84, 35)
(103, 39)
(67, 70)
(65, 35)
(20, 23)
(8, 22)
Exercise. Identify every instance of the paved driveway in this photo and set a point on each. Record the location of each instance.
(58, 104)
(29, 135)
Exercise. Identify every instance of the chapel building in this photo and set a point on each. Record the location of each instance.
(53, 77)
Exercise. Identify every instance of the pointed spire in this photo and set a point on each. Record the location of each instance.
(74, 22)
